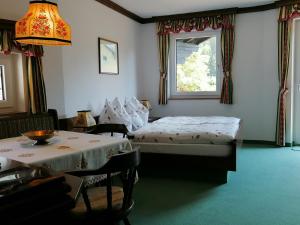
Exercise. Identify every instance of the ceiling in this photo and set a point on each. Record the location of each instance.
(149, 8)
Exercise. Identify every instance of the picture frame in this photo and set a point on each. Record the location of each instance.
(108, 56)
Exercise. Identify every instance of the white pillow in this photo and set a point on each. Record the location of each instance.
(140, 109)
(137, 121)
(114, 112)
(103, 113)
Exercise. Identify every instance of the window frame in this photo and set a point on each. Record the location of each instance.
(3, 85)
(9, 101)
(14, 83)
(174, 94)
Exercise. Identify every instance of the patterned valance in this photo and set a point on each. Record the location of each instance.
(289, 12)
(8, 44)
(197, 24)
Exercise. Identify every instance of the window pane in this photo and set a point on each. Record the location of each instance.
(1, 83)
(196, 68)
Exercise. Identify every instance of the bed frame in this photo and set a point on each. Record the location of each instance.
(211, 168)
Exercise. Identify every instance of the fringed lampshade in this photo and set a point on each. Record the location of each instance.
(42, 25)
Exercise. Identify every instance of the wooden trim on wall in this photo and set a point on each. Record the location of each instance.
(121, 10)
(258, 8)
(7, 24)
(191, 15)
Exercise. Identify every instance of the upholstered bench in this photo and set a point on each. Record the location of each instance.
(15, 124)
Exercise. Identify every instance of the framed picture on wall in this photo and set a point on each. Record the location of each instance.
(108, 57)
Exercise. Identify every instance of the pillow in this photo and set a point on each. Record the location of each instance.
(140, 109)
(114, 112)
(137, 121)
(103, 113)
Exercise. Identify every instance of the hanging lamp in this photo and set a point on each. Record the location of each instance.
(42, 25)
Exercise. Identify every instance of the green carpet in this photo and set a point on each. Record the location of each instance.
(265, 190)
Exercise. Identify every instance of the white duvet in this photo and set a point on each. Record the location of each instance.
(189, 130)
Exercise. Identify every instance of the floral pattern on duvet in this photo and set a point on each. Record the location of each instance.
(189, 130)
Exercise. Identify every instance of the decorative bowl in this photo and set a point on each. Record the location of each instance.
(39, 136)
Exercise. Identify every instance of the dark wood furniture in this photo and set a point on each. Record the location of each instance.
(125, 164)
(12, 125)
(37, 201)
(68, 124)
(81, 129)
(109, 128)
(209, 168)
(153, 118)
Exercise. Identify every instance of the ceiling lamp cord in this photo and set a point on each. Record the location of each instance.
(42, 25)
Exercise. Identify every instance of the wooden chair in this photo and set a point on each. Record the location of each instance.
(110, 204)
(109, 128)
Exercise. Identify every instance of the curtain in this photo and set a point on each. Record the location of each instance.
(286, 15)
(36, 86)
(8, 44)
(6, 41)
(224, 22)
(197, 23)
(227, 47)
(163, 47)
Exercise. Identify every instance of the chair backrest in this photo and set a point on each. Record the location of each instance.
(126, 164)
(109, 128)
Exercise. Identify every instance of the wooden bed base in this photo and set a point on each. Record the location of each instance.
(211, 168)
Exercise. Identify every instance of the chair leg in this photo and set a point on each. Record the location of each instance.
(86, 200)
(126, 221)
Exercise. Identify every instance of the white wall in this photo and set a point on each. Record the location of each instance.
(54, 80)
(254, 74)
(71, 73)
(84, 87)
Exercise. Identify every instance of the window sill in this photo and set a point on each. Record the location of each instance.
(13, 114)
(195, 98)
(5, 109)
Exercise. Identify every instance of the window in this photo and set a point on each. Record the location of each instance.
(2, 84)
(12, 88)
(195, 65)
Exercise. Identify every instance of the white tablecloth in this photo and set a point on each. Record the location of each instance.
(65, 151)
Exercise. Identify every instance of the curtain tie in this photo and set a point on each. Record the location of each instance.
(283, 91)
(227, 74)
(163, 75)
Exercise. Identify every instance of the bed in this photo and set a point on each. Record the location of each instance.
(198, 143)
